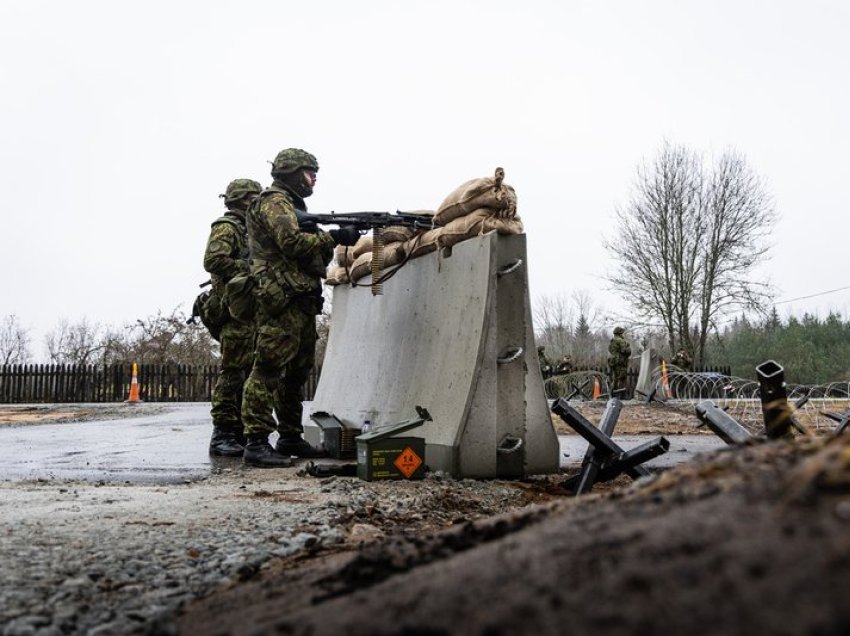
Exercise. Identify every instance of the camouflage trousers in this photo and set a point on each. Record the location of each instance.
(237, 351)
(618, 378)
(284, 354)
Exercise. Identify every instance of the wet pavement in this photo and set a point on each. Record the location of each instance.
(683, 448)
(170, 446)
(167, 447)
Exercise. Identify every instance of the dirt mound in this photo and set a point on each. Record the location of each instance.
(742, 541)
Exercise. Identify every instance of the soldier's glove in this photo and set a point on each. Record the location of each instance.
(308, 226)
(347, 235)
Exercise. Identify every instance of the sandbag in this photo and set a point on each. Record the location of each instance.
(490, 193)
(361, 267)
(336, 276)
(423, 243)
(462, 228)
(394, 233)
(363, 245)
(502, 226)
(343, 255)
(394, 254)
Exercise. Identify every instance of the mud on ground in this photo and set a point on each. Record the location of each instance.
(747, 540)
(24, 414)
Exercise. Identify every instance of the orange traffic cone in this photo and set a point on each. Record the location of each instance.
(665, 384)
(134, 387)
(596, 390)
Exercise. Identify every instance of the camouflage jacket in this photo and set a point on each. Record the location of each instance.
(227, 248)
(278, 247)
(619, 352)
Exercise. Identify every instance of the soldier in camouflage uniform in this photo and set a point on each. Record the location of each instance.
(225, 257)
(619, 352)
(287, 264)
(683, 360)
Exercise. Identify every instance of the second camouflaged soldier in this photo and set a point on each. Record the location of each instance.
(225, 258)
(288, 265)
(619, 353)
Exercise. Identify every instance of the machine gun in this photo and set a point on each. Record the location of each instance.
(363, 222)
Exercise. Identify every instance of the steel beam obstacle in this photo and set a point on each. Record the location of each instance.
(605, 459)
(452, 331)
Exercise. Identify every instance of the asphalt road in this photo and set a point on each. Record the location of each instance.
(171, 447)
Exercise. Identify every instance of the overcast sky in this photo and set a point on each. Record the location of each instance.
(120, 123)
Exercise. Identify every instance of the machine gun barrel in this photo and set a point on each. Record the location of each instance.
(371, 220)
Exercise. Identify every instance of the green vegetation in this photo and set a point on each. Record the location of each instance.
(812, 350)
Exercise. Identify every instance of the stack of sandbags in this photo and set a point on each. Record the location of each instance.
(357, 260)
(488, 193)
(473, 208)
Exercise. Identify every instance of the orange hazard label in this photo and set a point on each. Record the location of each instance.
(407, 462)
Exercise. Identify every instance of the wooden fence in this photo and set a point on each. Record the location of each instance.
(49, 383)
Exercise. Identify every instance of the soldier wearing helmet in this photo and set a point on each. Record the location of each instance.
(226, 257)
(619, 353)
(287, 265)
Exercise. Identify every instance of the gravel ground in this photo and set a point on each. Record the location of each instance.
(90, 558)
(113, 558)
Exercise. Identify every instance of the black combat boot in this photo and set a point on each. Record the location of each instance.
(225, 443)
(259, 453)
(293, 445)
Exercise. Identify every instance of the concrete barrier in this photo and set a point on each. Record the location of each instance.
(452, 332)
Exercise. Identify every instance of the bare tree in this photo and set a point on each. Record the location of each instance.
(14, 341)
(161, 339)
(570, 325)
(687, 242)
(553, 318)
(74, 343)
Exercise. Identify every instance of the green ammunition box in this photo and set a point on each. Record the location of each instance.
(380, 456)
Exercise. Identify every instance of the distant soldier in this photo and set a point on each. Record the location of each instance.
(619, 352)
(683, 360)
(565, 365)
(288, 263)
(226, 257)
(543, 361)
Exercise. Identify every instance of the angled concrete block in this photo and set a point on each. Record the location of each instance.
(452, 332)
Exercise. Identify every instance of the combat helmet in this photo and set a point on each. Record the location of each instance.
(239, 188)
(291, 159)
(619, 331)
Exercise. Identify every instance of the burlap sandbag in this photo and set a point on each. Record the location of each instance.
(423, 243)
(490, 193)
(343, 255)
(336, 276)
(462, 228)
(476, 223)
(502, 226)
(363, 245)
(393, 253)
(361, 267)
(394, 233)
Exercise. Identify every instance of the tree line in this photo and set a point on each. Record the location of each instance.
(159, 339)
